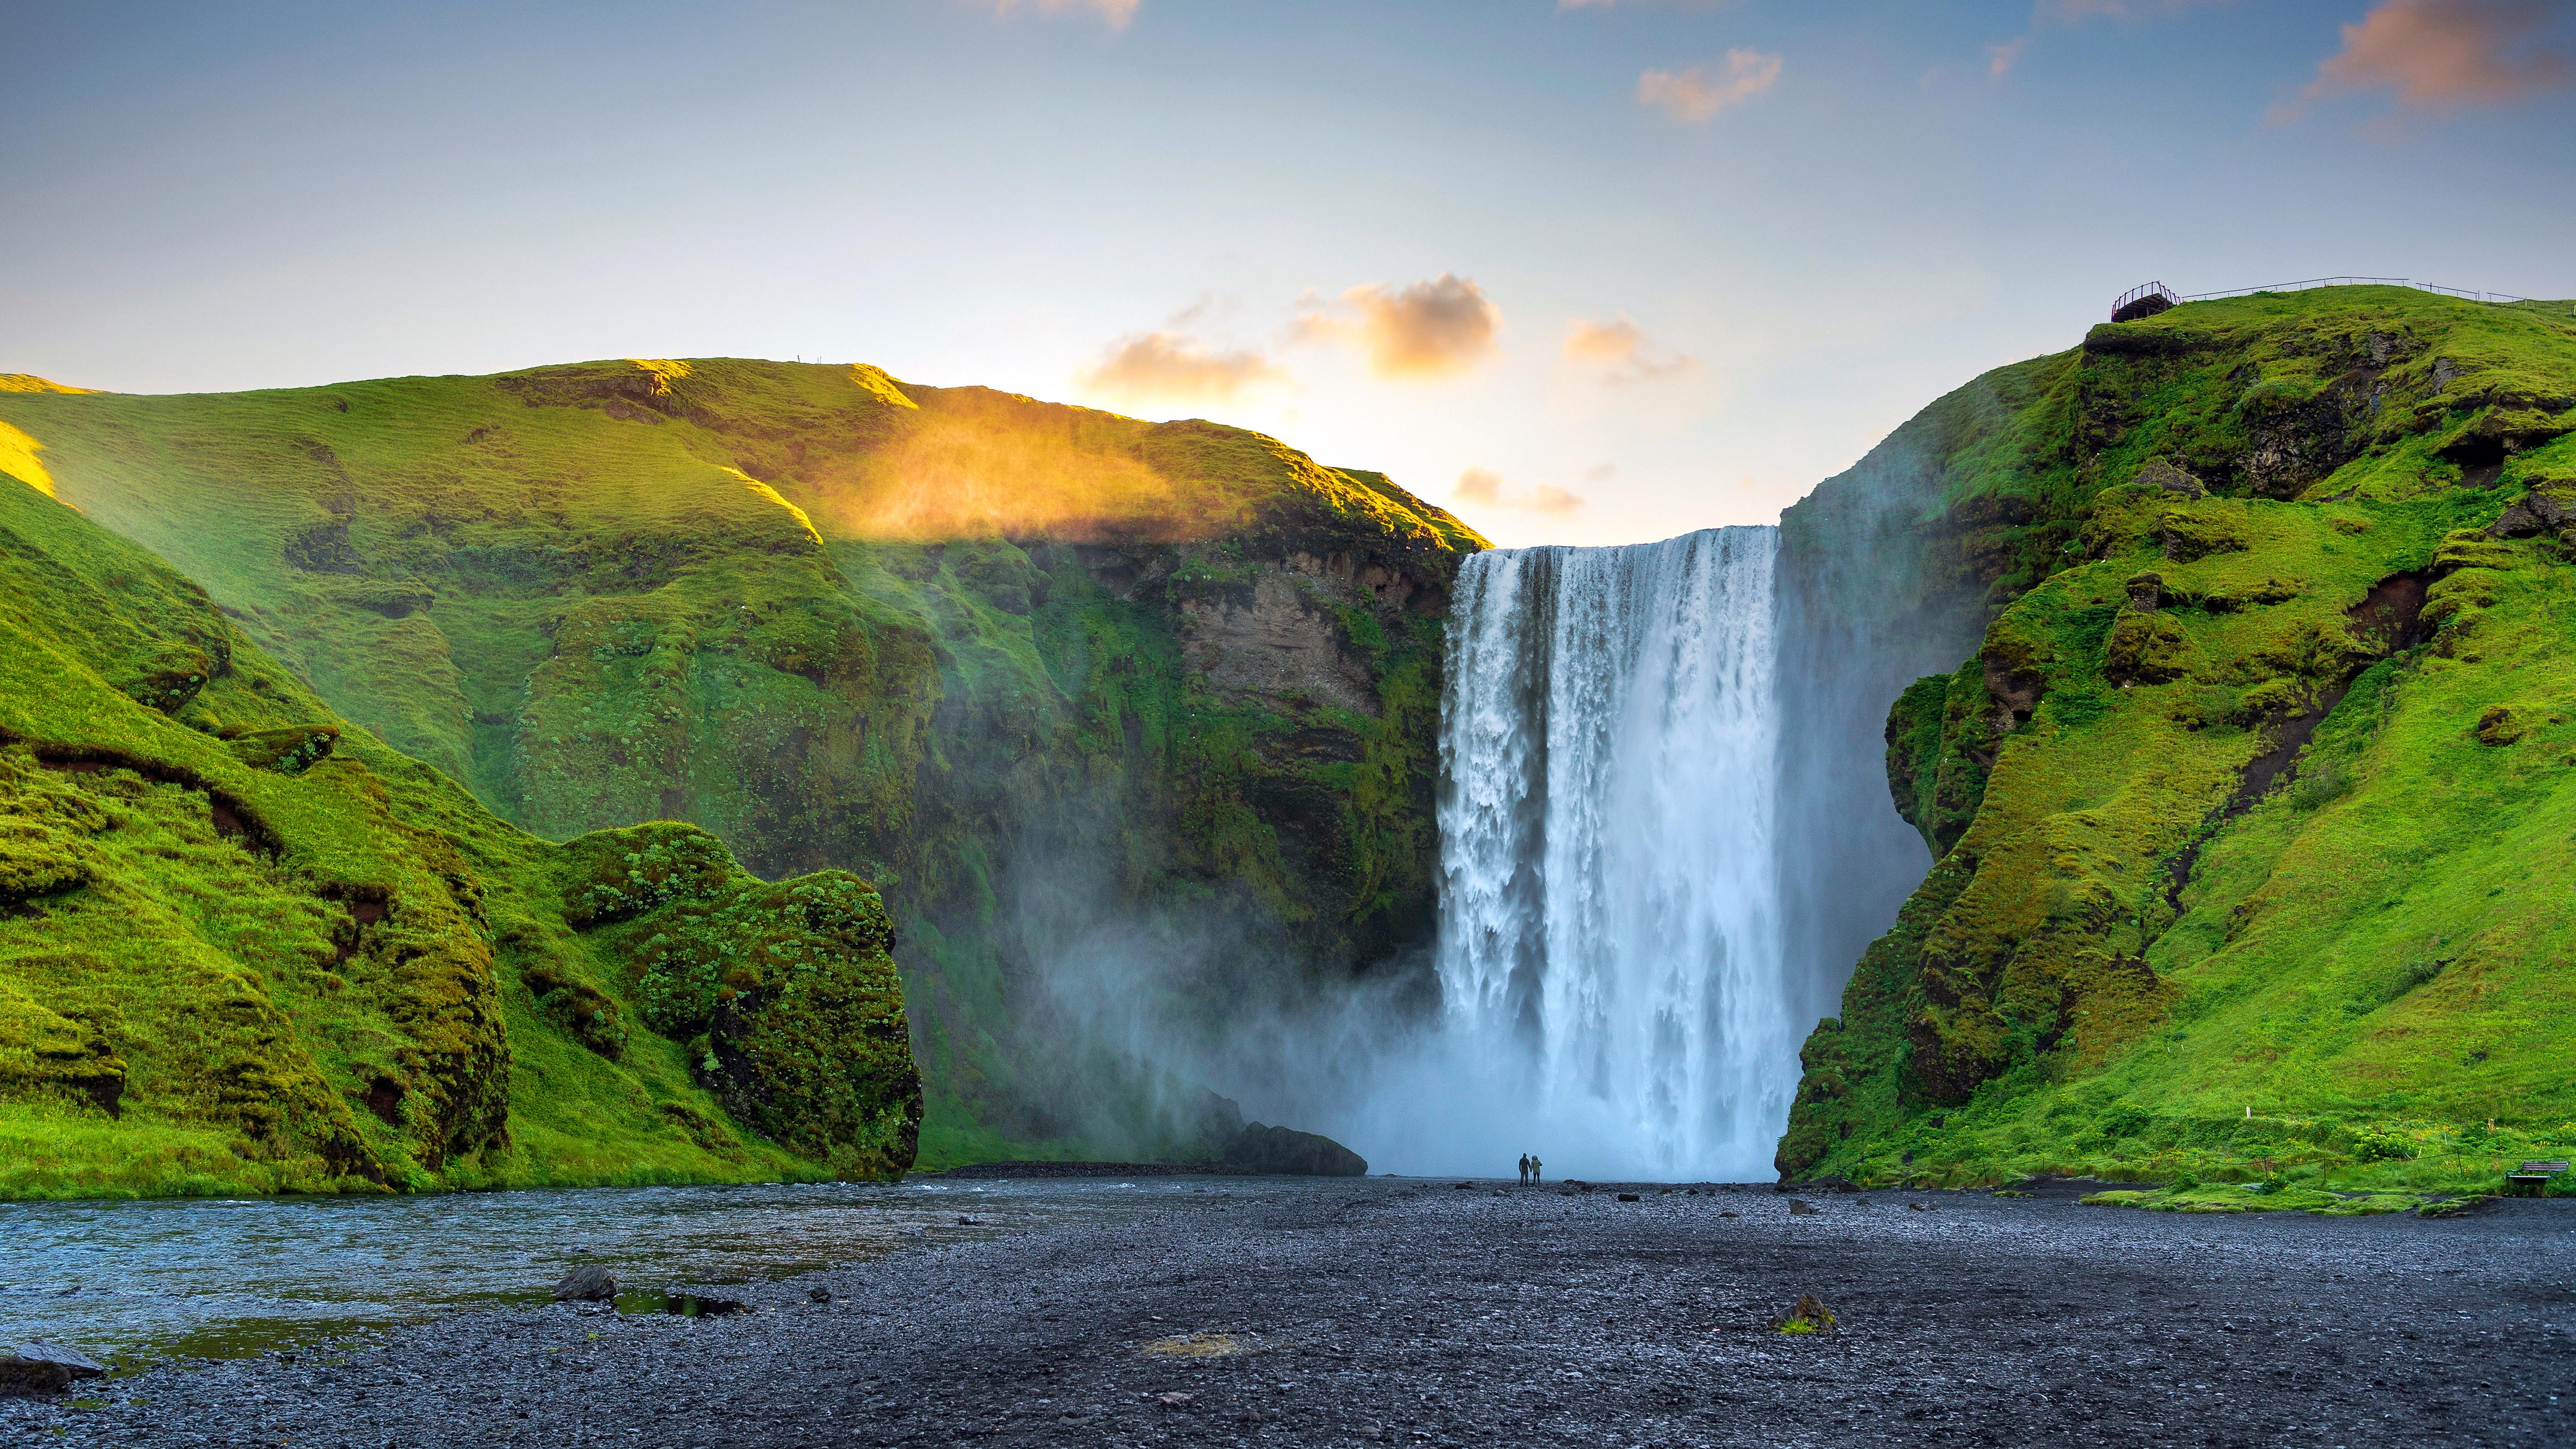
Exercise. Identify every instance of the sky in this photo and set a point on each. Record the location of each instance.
(1586, 271)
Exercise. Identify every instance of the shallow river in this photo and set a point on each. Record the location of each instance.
(135, 1281)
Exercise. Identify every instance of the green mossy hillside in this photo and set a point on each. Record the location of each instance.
(244, 948)
(1003, 658)
(2254, 808)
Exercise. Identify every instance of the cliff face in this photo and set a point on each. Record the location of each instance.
(244, 947)
(1039, 673)
(2249, 805)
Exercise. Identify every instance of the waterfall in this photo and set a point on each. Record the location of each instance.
(1610, 944)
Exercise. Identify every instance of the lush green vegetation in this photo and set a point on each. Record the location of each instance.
(969, 645)
(2255, 808)
(246, 948)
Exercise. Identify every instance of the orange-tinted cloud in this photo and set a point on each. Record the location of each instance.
(1620, 352)
(1484, 486)
(1172, 367)
(2437, 54)
(1431, 329)
(1695, 95)
(2000, 59)
(1113, 13)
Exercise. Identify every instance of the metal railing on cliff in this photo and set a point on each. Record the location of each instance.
(2154, 297)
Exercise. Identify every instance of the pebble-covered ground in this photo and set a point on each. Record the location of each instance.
(1400, 1312)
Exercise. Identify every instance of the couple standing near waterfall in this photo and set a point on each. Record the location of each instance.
(1530, 1166)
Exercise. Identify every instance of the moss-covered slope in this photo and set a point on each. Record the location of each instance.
(2256, 807)
(968, 644)
(244, 947)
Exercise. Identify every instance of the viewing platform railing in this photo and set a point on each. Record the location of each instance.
(2156, 297)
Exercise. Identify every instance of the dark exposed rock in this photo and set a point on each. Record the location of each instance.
(2146, 592)
(26, 1378)
(589, 1283)
(2534, 513)
(1264, 1150)
(2164, 475)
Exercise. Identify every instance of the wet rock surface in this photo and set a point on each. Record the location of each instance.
(1395, 1312)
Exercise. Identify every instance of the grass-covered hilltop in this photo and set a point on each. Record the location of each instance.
(245, 947)
(2255, 811)
(1035, 672)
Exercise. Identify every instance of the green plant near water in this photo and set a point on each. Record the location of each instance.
(245, 948)
(2250, 809)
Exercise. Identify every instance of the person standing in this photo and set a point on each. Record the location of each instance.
(1524, 1169)
(1534, 1168)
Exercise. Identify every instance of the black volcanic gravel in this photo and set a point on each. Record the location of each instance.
(1410, 1313)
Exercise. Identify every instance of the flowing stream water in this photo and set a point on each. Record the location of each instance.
(1610, 943)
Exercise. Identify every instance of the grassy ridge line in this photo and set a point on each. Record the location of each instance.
(2141, 954)
(246, 949)
(841, 620)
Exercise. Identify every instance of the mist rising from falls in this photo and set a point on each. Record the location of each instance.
(1610, 953)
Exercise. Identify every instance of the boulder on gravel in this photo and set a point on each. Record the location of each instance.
(1282, 1151)
(81, 1365)
(589, 1283)
(25, 1378)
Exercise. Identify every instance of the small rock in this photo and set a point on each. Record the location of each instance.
(589, 1283)
(818, 1295)
(1803, 1209)
(1808, 1316)
(964, 1221)
(81, 1365)
(1916, 1207)
(1175, 1397)
(1627, 1197)
(1730, 1215)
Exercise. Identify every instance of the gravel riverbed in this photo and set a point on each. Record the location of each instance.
(1403, 1312)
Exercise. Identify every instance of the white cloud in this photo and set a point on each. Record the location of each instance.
(1431, 329)
(1174, 367)
(1484, 486)
(1620, 353)
(1695, 95)
(1113, 13)
(2439, 54)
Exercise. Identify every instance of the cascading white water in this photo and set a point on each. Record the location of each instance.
(1610, 952)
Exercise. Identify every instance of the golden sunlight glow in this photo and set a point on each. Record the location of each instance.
(983, 464)
(18, 460)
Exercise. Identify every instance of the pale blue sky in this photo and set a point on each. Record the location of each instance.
(205, 197)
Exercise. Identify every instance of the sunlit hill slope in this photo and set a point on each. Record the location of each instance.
(2256, 809)
(1033, 671)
